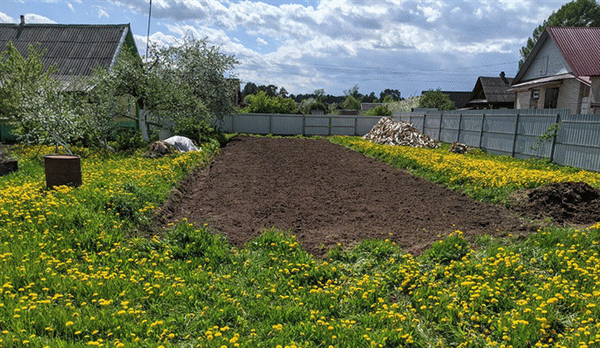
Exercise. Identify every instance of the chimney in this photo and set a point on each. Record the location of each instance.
(503, 77)
(22, 19)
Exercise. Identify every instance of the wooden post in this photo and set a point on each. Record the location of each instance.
(424, 120)
(329, 126)
(514, 144)
(355, 125)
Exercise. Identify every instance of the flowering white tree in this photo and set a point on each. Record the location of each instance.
(34, 103)
(53, 117)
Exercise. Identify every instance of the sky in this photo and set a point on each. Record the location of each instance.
(304, 45)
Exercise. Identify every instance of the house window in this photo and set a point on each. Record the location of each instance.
(551, 98)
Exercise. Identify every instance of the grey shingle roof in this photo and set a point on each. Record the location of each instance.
(76, 50)
(493, 89)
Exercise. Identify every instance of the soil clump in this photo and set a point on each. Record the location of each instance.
(566, 203)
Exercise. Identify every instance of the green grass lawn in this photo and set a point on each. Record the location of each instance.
(74, 274)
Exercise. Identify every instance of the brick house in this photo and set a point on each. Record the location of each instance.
(562, 71)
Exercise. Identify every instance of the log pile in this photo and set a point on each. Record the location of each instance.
(390, 132)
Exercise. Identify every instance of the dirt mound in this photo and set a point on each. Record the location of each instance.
(325, 194)
(565, 203)
(390, 132)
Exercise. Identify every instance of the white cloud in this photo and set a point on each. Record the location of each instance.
(102, 13)
(4, 18)
(261, 42)
(71, 6)
(416, 32)
(34, 18)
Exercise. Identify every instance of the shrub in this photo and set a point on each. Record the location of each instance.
(262, 103)
(127, 138)
(380, 110)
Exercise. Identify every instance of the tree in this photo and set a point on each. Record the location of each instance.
(283, 92)
(436, 99)
(249, 88)
(196, 65)
(39, 110)
(271, 90)
(393, 93)
(370, 98)
(578, 13)
(353, 92)
(179, 85)
(319, 95)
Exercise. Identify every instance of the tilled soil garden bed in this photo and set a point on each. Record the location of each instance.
(325, 194)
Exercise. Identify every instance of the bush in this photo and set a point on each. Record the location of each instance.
(199, 131)
(351, 103)
(127, 138)
(263, 104)
(317, 106)
(380, 110)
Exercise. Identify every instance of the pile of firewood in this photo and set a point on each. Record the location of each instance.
(390, 132)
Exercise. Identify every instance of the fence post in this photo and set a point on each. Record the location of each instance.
(424, 119)
(554, 138)
(329, 126)
(233, 123)
(270, 123)
(440, 129)
(514, 144)
(355, 125)
(459, 125)
(303, 124)
(482, 127)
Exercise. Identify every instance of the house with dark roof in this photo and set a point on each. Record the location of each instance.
(562, 71)
(75, 50)
(492, 93)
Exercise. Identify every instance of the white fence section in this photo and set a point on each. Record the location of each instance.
(517, 133)
(298, 124)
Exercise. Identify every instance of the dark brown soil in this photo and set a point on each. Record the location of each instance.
(567, 203)
(325, 194)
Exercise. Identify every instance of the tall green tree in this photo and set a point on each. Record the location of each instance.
(436, 99)
(578, 13)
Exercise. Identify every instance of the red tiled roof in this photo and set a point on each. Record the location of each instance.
(580, 47)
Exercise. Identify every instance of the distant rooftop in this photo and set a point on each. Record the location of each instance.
(75, 50)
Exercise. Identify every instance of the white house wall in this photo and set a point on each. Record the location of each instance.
(548, 62)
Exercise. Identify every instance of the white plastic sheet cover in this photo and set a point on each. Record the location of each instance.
(181, 144)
